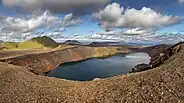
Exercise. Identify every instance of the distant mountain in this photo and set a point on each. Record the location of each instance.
(136, 44)
(1, 41)
(72, 42)
(104, 44)
(38, 43)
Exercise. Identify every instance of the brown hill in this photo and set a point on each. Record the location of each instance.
(44, 62)
(38, 43)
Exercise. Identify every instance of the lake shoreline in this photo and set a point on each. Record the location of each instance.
(87, 70)
(45, 62)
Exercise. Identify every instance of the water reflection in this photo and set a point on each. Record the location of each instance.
(99, 68)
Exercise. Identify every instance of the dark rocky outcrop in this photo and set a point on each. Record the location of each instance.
(164, 55)
(141, 67)
(159, 54)
(154, 51)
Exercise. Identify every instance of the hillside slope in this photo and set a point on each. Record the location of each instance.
(38, 43)
(10, 45)
(44, 62)
(163, 84)
(34, 43)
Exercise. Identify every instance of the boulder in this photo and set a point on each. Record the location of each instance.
(140, 67)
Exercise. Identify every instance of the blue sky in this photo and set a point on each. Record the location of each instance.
(82, 22)
(169, 7)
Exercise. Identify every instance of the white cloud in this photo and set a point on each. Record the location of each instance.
(118, 35)
(180, 1)
(115, 16)
(20, 28)
(57, 5)
(146, 38)
(135, 31)
(105, 35)
(17, 24)
(69, 20)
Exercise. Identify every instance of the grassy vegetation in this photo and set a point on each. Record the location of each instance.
(38, 43)
(10, 45)
(105, 51)
(46, 43)
(35, 43)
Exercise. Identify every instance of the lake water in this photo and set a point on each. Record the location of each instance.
(99, 68)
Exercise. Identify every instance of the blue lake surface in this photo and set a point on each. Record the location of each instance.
(99, 68)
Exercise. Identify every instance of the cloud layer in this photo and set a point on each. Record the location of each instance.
(146, 38)
(136, 25)
(115, 16)
(181, 1)
(79, 6)
(34, 25)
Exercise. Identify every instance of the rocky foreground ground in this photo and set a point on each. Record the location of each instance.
(162, 84)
